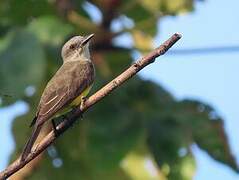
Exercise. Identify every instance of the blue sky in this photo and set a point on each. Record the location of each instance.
(212, 78)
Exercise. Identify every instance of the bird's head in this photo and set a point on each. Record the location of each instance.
(77, 48)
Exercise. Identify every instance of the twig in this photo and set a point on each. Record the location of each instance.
(72, 117)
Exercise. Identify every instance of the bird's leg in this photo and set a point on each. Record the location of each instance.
(54, 127)
(54, 124)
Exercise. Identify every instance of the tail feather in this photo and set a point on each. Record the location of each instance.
(30, 142)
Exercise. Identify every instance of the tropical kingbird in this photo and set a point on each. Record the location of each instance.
(68, 86)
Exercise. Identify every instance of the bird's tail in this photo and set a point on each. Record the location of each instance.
(31, 141)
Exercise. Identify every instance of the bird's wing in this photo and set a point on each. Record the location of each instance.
(68, 83)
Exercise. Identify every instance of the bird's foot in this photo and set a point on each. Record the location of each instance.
(82, 104)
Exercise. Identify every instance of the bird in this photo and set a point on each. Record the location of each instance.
(67, 88)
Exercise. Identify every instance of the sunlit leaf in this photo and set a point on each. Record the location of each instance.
(142, 41)
(141, 166)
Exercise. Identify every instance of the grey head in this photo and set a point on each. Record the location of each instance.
(77, 48)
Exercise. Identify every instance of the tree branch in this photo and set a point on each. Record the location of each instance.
(72, 116)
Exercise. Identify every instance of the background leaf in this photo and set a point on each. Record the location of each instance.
(23, 64)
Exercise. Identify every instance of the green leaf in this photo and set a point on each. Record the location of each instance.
(50, 30)
(169, 145)
(178, 126)
(73, 169)
(137, 12)
(15, 12)
(22, 64)
(176, 6)
(117, 61)
(207, 130)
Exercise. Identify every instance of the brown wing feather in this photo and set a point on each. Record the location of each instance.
(69, 82)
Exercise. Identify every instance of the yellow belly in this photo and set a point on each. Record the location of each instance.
(77, 100)
(74, 103)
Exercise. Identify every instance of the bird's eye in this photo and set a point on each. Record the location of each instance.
(72, 46)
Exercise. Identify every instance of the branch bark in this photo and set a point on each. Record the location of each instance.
(72, 116)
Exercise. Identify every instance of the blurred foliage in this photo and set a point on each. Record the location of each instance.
(138, 132)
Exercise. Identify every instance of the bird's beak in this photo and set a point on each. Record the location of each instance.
(86, 39)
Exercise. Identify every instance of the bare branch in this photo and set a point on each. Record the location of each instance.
(72, 116)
